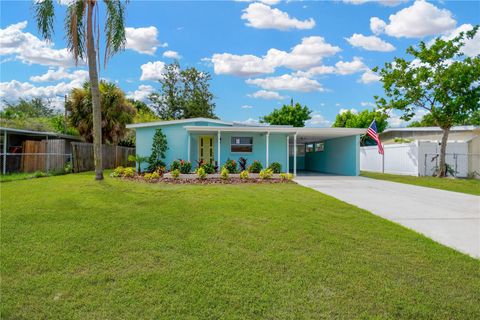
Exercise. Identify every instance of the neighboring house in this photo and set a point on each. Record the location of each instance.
(327, 150)
(457, 133)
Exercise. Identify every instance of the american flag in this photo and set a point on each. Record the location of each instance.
(373, 133)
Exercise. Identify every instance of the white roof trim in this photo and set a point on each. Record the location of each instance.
(301, 131)
(164, 123)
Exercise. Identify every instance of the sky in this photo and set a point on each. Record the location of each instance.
(261, 54)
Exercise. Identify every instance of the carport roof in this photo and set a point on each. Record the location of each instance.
(319, 133)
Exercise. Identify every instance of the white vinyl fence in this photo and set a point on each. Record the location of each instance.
(417, 158)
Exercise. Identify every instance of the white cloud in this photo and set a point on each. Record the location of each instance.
(395, 121)
(471, 47)
(318, 120)
(245, 65)
(269, 2)
(419, 20)
(261, 16)
(267, 95)
(368, 104)
(352, 110)
(308, 53)
(246, 107)
(377, 25)
(249, 121)
(59, 74)
(369, 77)
(370, 43)
(287, 82)
(143, 40)
(152, 70)
(387, 3)
(30, 49)
(171, 54)
(141, 93)
(350, 67)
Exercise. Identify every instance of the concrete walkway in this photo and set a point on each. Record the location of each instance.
(450, 218)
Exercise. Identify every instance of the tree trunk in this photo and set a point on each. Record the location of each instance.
(95, 91)
(442, 170)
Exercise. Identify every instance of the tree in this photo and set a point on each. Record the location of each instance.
(117, 112)
(82, 40)
(362, 119)
(294, 115)
(34, 108)
(429, 121)
(184, 94)
(439, 79)
(159, 148)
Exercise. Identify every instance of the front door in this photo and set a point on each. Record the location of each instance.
(206, 149)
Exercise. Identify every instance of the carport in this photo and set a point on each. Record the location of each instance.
(325, 150)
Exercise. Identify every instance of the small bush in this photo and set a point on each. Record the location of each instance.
(201, 173)
(242, 162)
(255, 167)
(276, 167)
(185, 166)
(231, 166)
(39, 174)
(175, 165)
(244, 175)
(68, 167)
(129, 172)
(266, 174)
(175, 173)
(286, 176)
(118, 172)
(224, 173)
(209, 168)
(151, 176)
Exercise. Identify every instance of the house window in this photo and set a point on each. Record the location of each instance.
(319, 146)
(309, 147)
(242, 144)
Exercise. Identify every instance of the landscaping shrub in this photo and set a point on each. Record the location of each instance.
(129, 172)
(209, 168)
(276, 167)
(286, 176)
(244, 175)
(151, 176)
(201, 173)
(231, 166)
(224, 173)
(266, 174)
(39, 174)
(118, 172)
(175, 173)
(175, 165)
(159, 148)
(255, 167)
(185, 166)
(242, 162)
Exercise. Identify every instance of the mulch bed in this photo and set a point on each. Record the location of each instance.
(210, 179)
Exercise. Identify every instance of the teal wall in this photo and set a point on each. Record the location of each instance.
(340, 156)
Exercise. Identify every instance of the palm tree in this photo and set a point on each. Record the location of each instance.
(117, 112)
(82, 34)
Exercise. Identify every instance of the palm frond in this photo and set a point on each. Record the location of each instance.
(75, 29)
(114, 28)
(45, 14)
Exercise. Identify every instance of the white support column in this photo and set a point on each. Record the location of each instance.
(266, 158)
(218, 149)
(4, 169)
(295, 155)
(188, 146)
(288, 155)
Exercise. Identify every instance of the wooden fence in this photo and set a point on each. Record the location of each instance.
(45, 155)
(112, 156)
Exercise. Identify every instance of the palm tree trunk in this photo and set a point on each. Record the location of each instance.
(442, 170)
(96, 108)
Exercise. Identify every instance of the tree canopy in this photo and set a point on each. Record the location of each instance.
(428, 121)
(117, 111)
(183, 94)
(438, 79)
(362, 119)
(294, 115)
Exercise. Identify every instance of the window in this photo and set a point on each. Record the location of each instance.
(309, 147)
(242, 144)
(319, 146)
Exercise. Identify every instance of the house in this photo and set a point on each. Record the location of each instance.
(326, 150)
(457, 133)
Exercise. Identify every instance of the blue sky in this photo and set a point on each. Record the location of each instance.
(260, 54)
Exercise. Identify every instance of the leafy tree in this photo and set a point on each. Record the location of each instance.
(439, 79)
(83, 41)
(117, 112)
(429, 121)
(362, 119)
(34, 108)
(294, 115)
(159, 148)
(184, 94)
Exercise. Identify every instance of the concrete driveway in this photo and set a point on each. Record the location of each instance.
(450, 218)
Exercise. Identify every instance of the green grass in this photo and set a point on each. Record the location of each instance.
(73, 248)
(15, 176)
(470, 186)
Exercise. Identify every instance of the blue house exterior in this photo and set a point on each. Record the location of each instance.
(325, 150)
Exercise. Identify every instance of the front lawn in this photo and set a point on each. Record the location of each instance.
(470, 186)
(73, 248)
